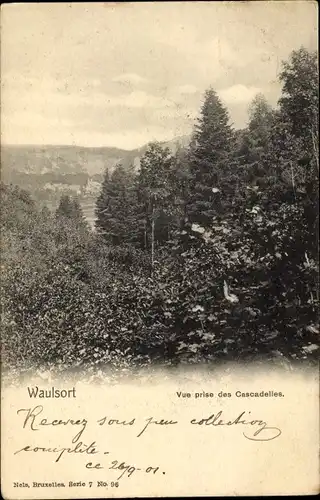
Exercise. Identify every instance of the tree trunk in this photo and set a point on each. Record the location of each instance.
(145, 235)
(293, 182)
(152, 239)
(315, 145)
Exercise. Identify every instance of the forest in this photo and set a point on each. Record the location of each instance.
(207, 255)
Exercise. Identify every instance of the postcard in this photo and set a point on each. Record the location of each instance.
(159, 251)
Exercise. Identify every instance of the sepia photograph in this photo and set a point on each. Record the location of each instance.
(159, 223)
(159, 187)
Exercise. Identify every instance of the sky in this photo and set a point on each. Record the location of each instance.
(108, 74)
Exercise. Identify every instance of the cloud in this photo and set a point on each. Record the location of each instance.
(239, 94)
(129, 79)
(88, 77)
(130, 138)
(135, 99)
(44, 111)
(187, 89)
(47, 96)
(139, 99)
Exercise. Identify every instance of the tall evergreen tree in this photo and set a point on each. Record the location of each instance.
(260, 119)
(209, 158)
(253, 142)
(115, 206)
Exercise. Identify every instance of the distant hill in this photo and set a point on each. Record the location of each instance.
(69, 160)
(47, 172)
(61, 159)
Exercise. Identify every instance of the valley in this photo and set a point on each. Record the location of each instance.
(49, 171)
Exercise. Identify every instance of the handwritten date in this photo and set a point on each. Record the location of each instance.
(254, 429)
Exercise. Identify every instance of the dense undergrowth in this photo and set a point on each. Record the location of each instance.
(208, 255)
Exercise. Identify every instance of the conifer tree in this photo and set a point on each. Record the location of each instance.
(70, 209)
(209, 158)
(65, 207)
(260, 119)
(254, 142)
(115, 206)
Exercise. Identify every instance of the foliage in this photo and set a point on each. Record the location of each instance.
(154, 193)
(69, 208)
(209, 158)
(115, 206)
(206, 255)
(299, 102)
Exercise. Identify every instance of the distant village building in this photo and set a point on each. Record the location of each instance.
(136, 163)
(91, 187)
(63, 188)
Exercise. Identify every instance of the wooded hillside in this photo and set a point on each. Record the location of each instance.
(206, 255)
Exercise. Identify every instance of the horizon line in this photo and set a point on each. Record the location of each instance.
(11, 144)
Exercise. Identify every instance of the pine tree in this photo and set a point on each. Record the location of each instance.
(65, 208)
(70, 209)
(253, 142)
(260, 119)
(209, 158)
(77, 214)
(115, 207)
